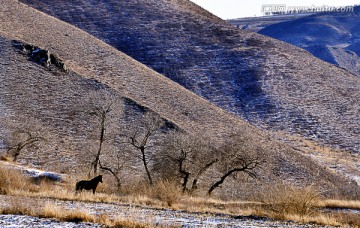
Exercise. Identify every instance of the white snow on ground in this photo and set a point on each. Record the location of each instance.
(168, 217)
(147, 215)
(23, 221)
(32, 172)
(355, 178)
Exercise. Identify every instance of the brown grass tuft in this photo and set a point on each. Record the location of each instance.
(338, 204)
(50, 210)
(162, 193)
(282, 201)
(11, 180)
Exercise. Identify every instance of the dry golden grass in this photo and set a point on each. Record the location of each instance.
(50, 210)
(162, 193)
(14, 180)
(332, 203)
(282, 201)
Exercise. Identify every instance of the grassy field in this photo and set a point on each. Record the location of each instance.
(281, 202)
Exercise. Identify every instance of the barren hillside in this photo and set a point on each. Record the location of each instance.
(267, 82)
(49, 97)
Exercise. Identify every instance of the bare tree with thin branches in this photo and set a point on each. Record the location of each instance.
(104, 107)
(188, 156)
(239, 154)
(140, 136)
(115, 168)
(21, 140)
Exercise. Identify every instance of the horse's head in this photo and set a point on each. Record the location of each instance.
(100, 178)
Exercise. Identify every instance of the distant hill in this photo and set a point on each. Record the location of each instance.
(332, 37)
(267, 82)
(254, 24)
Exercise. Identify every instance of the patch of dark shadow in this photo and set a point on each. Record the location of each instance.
(251, 217)
(168, 126)
(40, 56)
(250, 98)
(94, 84)
(255, 42)
(222, 32)
(45, 178)
(270, 44)
(38, 178)
(249, 83)
(134, 111)
(304, 123)
(132, 106)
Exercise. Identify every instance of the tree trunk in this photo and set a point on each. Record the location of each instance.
(222, 179)
(194, 186)
(101, 141)
(145, 165)
(184, 174)
(113, 173)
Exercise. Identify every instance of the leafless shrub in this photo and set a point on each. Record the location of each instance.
(162, 192)
(166, 191)
(18, 141)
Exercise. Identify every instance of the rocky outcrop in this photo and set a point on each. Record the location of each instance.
(40, 56)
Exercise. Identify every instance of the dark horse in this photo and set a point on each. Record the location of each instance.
(88, 185)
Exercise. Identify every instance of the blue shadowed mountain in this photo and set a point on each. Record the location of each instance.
(332, 37)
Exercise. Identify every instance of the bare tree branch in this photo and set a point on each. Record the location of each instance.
(239, 154)
(22, 140)
(153, 123)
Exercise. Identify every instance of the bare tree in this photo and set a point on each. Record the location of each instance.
(104, 107)
(140, 136)
(189, 156)
(115, 168)
(239, 154)
(20, 140)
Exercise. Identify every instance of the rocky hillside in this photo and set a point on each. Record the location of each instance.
(267, 82)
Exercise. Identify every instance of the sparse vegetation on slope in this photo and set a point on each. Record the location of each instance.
(94, 66)
(267, 82)
(81, 131)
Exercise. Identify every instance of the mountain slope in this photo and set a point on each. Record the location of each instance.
(49, 99)
(267, 82)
